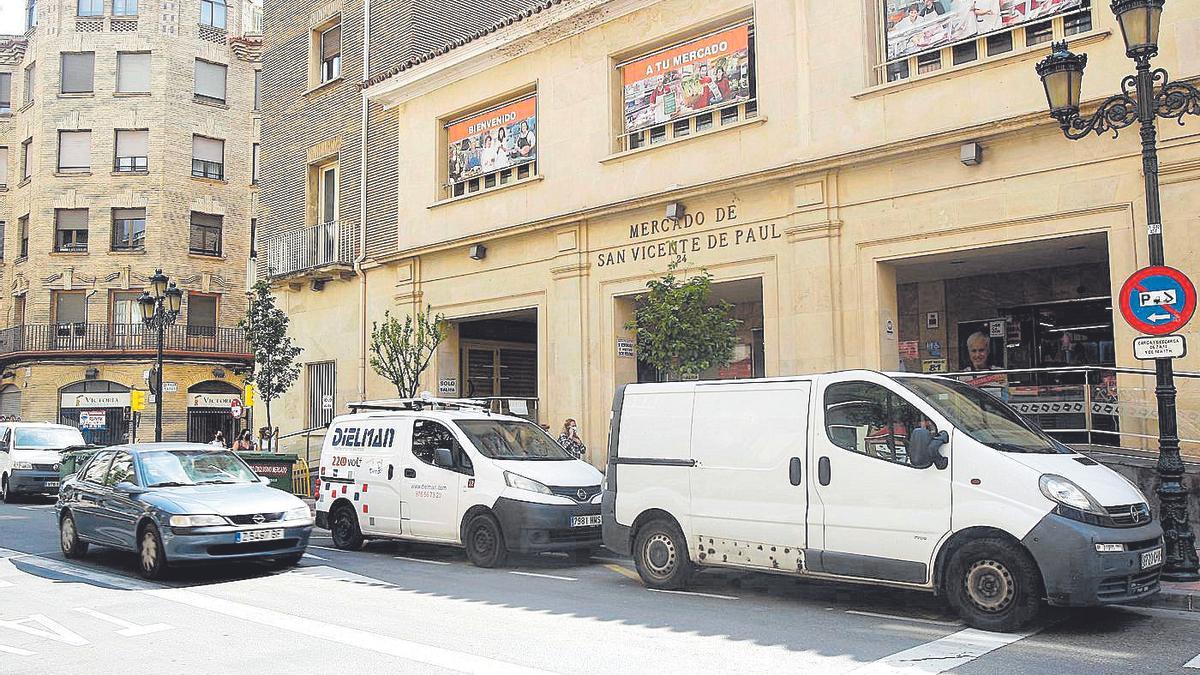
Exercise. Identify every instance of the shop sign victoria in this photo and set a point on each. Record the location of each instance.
(211, 400)
(112, 400)
(682, 240)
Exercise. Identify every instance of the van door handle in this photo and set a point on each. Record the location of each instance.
(391, 471)
(794, 471)
(823, 470)
(410, 473)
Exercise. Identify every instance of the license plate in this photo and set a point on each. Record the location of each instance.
(51, 483)
(258, 535)
(1152, 558)
(585, 521)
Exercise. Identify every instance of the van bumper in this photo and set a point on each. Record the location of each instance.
(24, 482)
(616, 536)
(1076, 575)
(533, 528)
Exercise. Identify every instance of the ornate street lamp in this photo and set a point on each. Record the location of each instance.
(1145, 96)
(159, 311)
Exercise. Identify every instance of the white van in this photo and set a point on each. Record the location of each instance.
(30, 455)
(904, 480)
(447, 472)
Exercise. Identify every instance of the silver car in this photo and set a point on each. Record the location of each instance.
(179, 503)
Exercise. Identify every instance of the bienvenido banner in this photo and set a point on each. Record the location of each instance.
(918, 25)
(493, 140)
(709, 71)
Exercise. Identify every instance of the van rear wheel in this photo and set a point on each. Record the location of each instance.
(485, 541)
(661, 557)
(343, 528)
(994, 585)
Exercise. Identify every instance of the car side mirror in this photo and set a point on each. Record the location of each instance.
(443, 459)
(127, 488)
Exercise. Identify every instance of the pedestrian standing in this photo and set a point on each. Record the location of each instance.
(244, 442)
(218, 440)
(570, 441)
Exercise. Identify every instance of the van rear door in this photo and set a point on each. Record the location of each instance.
(748, 497)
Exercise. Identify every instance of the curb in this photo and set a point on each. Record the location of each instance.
(1183, 597)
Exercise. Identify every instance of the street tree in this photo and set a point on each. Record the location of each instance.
(680, 329)
(266, 328)
(402, 350)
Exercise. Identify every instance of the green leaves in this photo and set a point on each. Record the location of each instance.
(680, 331)
(401, 351)
(275, 367)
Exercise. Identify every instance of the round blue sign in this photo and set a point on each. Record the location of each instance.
(1157, 300)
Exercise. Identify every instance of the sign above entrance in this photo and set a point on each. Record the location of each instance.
(109, 400)
(212, 400)
(1157, 300)
(1159, 347)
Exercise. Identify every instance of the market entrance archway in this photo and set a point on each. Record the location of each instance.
(208, 411)
(97, 408)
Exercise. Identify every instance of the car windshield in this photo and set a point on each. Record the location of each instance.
(510, 439)
(172, 468)
(983, 417)
(47, 438)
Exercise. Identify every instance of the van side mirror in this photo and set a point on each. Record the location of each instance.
(924, 449)
(443, 459)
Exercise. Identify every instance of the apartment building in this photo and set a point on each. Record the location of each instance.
(868, 189)
(128, 143)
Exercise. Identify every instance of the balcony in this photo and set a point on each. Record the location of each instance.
(314, 251)
(75, 339)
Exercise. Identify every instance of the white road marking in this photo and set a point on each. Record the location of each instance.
(5, 649)
(315, 557)
(49, 629)
(86, 573)
(14, 517)
(5, 584)
(695, 593)
(42, 507)
(543, 576)
(421, 560)
(324, 548)
(952, 624)
(943, 654)
(351, 637)
(128, 629)
(1194, 663)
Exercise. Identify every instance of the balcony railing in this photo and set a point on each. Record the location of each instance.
(104, 337)
(327, 244)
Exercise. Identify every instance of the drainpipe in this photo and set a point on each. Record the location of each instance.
(362, 211)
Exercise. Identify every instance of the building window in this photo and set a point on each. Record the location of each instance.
(70, 311)
(1001, 43)
(1040, 33)
(1078, 23)
(89, 7)
(78, 72)
(74, 151)
(5, 93)
(129, 229)
(125, 7)
(26, 159)
(331, 53)
(133, 72)
(3, 230)
(965, 53)
(208, 157)
(132, 150)
(30, 14)
(667, 94)
(254, 149)
(325, 178)
(30, 84)
(213, 13)
(210, 81)
(321, 392)
(254, 21)
(257, 84)
(70, 230)
(23, 236)
(3, 167)
(206, 234)
(201, 314)
(492, 147)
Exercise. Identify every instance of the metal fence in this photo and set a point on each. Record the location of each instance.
(93, 337)
(332, 243)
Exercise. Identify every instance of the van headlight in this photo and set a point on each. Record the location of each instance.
(1076, 500)
(197, 521)
(522, 483)
(298, 513)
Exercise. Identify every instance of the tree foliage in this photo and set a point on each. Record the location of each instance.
(680, 330)
(275, 367)
(402, 350)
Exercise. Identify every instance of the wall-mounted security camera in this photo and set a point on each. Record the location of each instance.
(477, 251)
(970, 154)
(675, 211)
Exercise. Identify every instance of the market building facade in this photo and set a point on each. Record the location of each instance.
(863, 195)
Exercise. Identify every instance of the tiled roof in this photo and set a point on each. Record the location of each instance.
(538, 7)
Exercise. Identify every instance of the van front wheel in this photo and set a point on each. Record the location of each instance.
(994, 585)
(485, 541)
(661, 556)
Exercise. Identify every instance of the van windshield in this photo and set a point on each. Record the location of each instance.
(509, 439)
(983, 417)
(47, 438)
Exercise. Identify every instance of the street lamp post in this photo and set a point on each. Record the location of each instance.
(160, 306)
(1145, 96)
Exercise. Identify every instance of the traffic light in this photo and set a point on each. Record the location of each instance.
(137, 400)
(248, 396)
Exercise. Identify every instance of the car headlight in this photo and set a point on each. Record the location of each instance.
(197, 521)
(522, 483)
(298, 513)
(1062, 491)
(22, 466)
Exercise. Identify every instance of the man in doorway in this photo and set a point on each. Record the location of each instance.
(979, 351)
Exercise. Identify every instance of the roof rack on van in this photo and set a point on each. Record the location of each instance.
(422, 403)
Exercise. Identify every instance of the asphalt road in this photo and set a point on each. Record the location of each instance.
(416, 608)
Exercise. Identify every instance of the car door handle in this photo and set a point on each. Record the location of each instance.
(794, 471)
(823, 471)
(410, 473)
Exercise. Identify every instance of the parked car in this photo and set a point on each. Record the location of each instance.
(179, 503)
(30, 455)
(449, 472)
(911, 481)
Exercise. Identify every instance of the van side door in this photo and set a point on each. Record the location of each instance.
(430, 492)
(748, 499)
(880, 516)
(382, 446)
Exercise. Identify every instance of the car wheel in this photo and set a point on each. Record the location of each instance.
(661, 557)
(68, 538)
(485, 541)
(5, 495)
(343, 527)
(152, 557)
(994, 585)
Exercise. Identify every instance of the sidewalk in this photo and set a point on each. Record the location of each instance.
(1177, 596)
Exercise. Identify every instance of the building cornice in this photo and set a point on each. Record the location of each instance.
(247, 48)
(12, 49)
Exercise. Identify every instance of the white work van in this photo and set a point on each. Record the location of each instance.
(448, 472)
(30, 456)
(905, 480)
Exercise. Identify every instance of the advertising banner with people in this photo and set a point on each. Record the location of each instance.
(709, 71)
(493, 140)
(918, 25)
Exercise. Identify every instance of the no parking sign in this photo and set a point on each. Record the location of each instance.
(1157, 300)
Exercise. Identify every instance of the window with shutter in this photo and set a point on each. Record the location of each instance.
(254, 150)
(133, 149)
(78, 72)
(201, 314)
(206, 234)
(210, 81)
(208, 157)
(129, 229)
(331, 53)
(74, 151)
(257, 83)
(133, 72)
(3, 167)
(26, 159)
(6, 93)
(23, 236)
(70, 230)
(30, 82)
